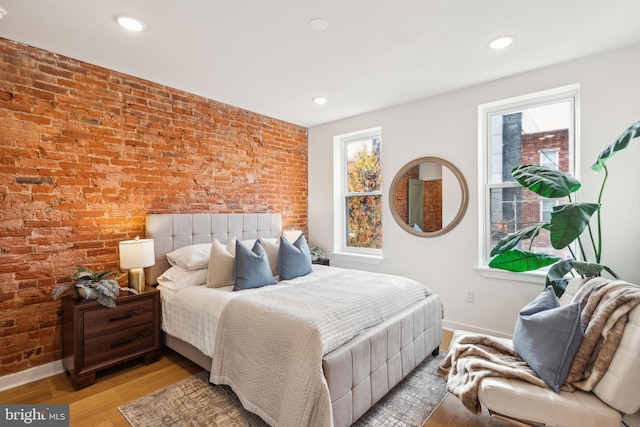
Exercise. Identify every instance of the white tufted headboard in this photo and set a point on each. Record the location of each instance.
(172, 231)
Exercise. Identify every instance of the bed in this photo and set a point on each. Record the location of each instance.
(354, 373)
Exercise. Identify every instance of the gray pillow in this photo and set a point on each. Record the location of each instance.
(252, 267)
(294, 259)
(547, 337)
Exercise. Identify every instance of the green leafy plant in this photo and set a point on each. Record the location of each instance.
(568, 222)
(316, 253)
(91, 284)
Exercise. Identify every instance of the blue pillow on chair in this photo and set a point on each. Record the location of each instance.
(547, 337)
(294, 259)
(252, 267)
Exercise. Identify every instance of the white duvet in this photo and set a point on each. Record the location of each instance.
(274, 338)
(192, 313)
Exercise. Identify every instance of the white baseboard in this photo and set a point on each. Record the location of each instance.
(453, 326)
(30, 375)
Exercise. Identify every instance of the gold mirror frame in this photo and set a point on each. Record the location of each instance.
(464, 200)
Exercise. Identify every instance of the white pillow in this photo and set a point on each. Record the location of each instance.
(177, 278)
(231, 246)
(271, 246)
(221, 271)
(192, 257)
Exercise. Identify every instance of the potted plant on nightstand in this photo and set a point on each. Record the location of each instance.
(93, 284)
(316, 253)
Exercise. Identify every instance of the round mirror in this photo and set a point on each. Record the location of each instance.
(428, 197)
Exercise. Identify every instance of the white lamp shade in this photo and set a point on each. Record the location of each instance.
(136, 253)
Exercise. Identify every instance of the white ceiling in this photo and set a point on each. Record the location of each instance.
(260, 55)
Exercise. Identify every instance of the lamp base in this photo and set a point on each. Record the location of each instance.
(136, 279)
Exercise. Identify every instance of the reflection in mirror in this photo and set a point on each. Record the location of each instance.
(428, 197)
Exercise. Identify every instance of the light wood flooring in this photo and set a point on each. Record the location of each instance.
(97, 405)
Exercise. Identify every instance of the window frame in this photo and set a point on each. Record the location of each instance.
(546, 154)
(341, 248)
(485, 111)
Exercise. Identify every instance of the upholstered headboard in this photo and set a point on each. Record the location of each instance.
(172, 231)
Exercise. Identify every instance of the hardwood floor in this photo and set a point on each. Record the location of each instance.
(451, 413)
(97, 405)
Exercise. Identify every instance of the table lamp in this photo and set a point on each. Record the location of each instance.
(135, 255)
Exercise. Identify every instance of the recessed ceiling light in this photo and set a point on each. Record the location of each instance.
(318, 24)
(3, 13)
(501, 42)
(130, 23)
(320, 100)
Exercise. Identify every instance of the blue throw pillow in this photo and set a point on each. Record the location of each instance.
(547, 337)
(294, 259)
(252, 267)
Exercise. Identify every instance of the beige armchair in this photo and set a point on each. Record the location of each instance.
(617, 393)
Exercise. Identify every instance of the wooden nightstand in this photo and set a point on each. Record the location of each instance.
(324, 261)
(96, 337)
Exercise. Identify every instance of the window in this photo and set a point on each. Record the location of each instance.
(548, 158)
(536, 129)
(358, 188)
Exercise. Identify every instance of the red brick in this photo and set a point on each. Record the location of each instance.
(113, 148)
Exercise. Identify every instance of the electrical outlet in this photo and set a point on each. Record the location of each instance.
(469, 296)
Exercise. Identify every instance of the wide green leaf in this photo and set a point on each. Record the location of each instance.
(620, 143)
(547, 182)
(59, 290)
(512, 240)
(519, 261)
(588, 269)
(569, 221)
(556, 276)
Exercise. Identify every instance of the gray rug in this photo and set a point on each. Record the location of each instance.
(194, 402)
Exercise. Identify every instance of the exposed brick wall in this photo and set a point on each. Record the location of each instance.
(432, 205)
(532, 146)
(87, 152)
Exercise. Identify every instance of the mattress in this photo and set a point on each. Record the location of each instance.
(192, 313)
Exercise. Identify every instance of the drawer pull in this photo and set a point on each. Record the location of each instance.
(121, 342)
(124, 316)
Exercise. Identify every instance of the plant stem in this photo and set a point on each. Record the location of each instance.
(574, 257)
(604, 181)
(593, 243)
(582, 252)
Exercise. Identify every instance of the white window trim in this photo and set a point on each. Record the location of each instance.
(544, 154)
(542, 211)
(340, 249)
(484, 112)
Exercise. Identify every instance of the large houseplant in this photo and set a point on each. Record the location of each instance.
(567, 224)
(93, 284)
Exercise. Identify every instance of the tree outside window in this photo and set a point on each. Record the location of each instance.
(363, 196)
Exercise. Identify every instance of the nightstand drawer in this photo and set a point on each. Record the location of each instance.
(99, 322)
(120, 343)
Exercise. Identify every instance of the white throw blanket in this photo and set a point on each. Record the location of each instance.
(269, 346)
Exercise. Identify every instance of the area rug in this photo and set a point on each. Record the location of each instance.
(194, 402)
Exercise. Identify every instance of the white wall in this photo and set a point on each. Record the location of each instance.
(446, 126)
